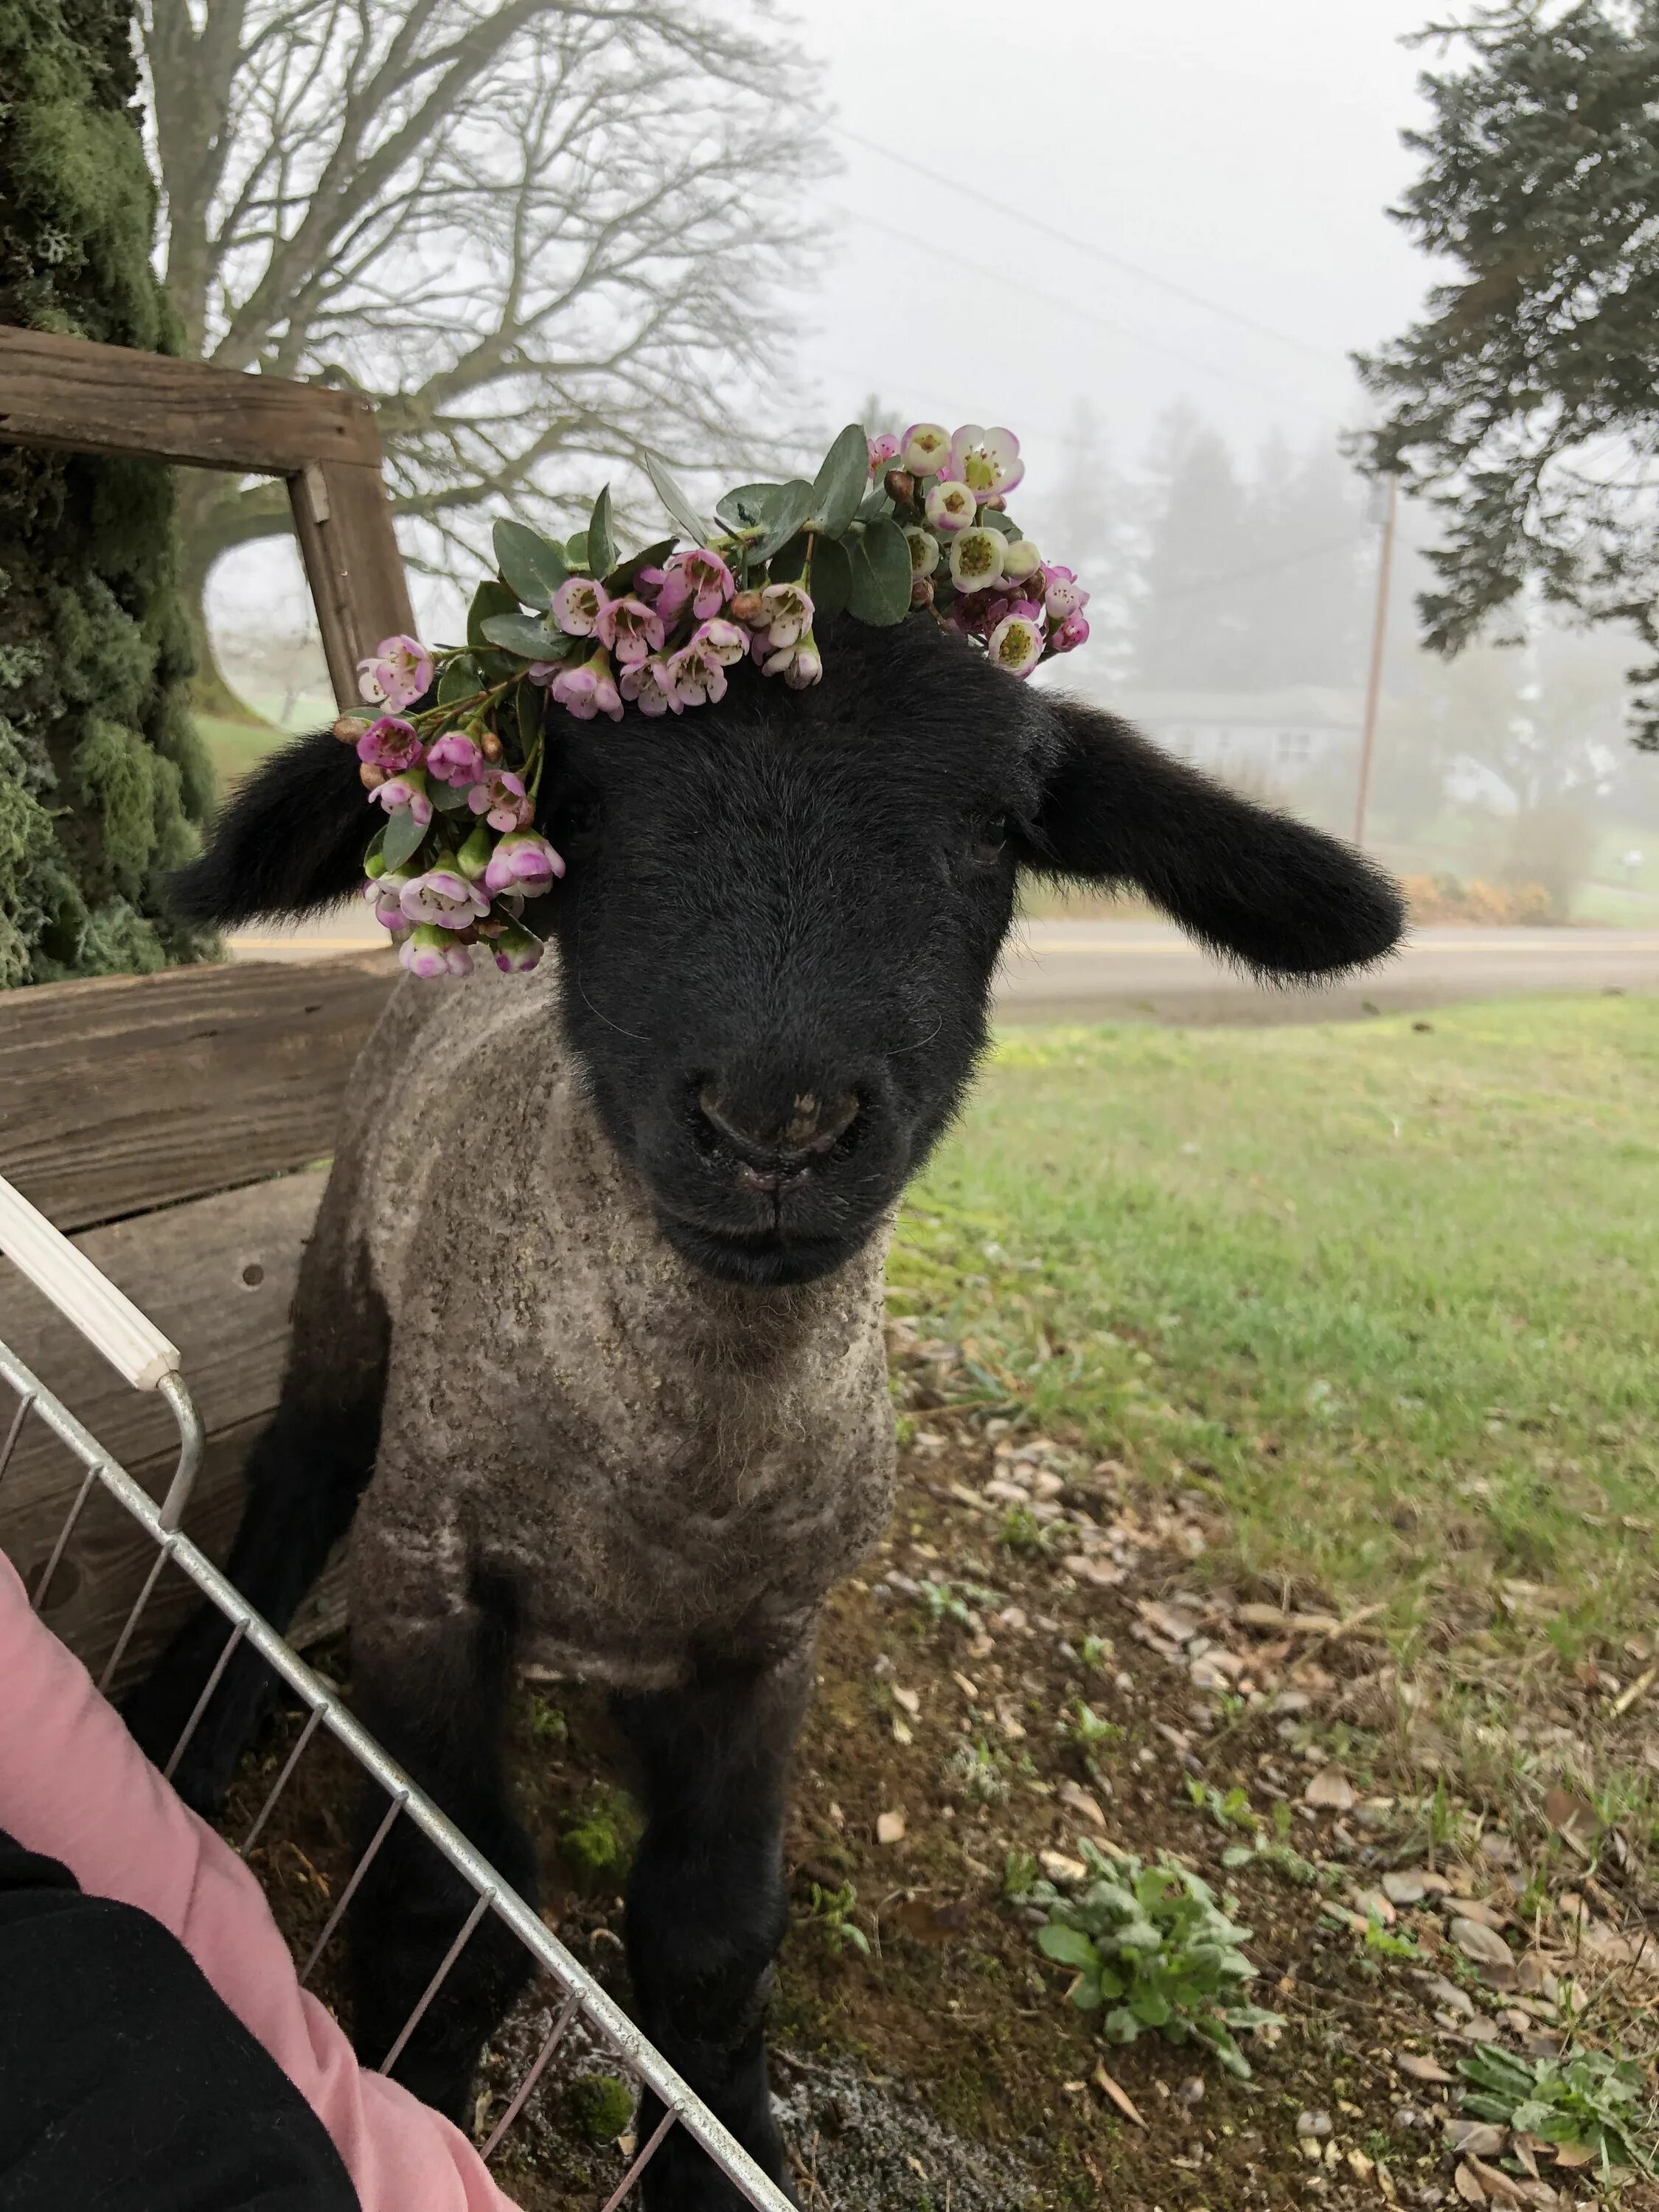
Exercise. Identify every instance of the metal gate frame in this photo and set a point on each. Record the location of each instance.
(136, 1348)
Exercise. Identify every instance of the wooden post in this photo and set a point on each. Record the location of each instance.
(78, 397)
(1374, 681)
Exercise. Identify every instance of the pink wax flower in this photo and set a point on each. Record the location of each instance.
(924, 448)
(577, 605)
(516, 950)
(408, 790)
(443, 898)
(629, 629)
(949, 508)
(650, 686)
(396, 673)
(500, 797)
(1062, 593)
(429, 951)
(884, 451)
(382, 893)
(456, 759)
(1016, 644)
(590, 689)
(695, 674)
(924, 551)
(391, 743)
(987, 461)
(1020, 558)
(697, 578)
(786, 614)
(725, 641)
(801, 665)
(525, 863)
(1066, 637)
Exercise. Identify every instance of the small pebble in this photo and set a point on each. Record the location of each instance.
(1191, 2090)
(1314, 2123)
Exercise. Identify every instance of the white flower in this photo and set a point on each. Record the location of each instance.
(1016, 644)
(924, 551)
(926, 448)
(951, 507)
(1019, 558)
(975, 559)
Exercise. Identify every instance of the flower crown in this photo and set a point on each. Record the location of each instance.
(889, 528)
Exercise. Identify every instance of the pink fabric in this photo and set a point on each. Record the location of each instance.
(74, 1785)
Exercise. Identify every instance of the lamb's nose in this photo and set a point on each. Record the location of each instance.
(810, 1124)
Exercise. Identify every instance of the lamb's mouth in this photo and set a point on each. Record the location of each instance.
(760, 1259)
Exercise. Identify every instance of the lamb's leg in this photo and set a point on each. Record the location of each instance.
(435, 1695)
(707, 1906)
(302, 1479)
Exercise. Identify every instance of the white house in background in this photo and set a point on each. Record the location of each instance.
(1274, 736)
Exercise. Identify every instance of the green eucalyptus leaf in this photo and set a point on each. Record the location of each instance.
(840, 485)
(874, 502)
(789, 564)
(878, 590)
(793, 501)
(679, 510)
(748, 506)
(601, 544)
(832, 577)
(495, 667)
(532, 637)
(459, 681)
(623, 577)
(576, 550)
(403, 835)
(993, 518)
(491, 598)
(448, 798)
(531, 565)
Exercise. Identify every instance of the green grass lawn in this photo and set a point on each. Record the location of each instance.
(236, 747)
(1389, 1290)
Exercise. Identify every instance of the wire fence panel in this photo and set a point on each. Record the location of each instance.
(585, 2005)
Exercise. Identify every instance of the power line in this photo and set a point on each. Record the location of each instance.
(1265, 567)
(1082, 245)
(1056, 300)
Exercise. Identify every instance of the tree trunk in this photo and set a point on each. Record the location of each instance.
(102, 778)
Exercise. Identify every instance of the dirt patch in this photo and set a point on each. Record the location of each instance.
(1033, 1655)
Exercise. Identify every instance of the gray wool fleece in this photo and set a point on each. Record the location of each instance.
(663, 1468)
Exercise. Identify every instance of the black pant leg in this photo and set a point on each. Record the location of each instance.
(125, 2081)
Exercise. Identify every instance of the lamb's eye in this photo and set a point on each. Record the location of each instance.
(988, 837)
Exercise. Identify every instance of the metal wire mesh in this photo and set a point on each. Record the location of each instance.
(585, 2002)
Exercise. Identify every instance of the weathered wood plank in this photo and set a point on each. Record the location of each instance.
(343, 520)
(90, 399)
(217, 1276)
(131, 1092)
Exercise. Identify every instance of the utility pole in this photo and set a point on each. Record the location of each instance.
(1374, 682)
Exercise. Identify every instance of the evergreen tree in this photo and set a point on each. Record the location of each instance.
(101, 775)
(1527, 404)
(1194, 629)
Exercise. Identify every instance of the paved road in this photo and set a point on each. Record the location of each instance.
(1058, 971)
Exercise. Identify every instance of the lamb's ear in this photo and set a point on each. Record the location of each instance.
(290, 839)
(1250, 883)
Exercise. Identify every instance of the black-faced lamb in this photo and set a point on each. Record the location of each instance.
(589, 1338)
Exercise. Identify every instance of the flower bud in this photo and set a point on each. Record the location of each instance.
(900, 486)
(349, 728)
(369, 776)
(474, 856)
(746, 607)
(922, 590)
(490, 745)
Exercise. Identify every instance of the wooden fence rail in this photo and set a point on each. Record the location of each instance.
(178, 1123)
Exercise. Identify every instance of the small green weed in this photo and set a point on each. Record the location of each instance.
(1152, 1946)
(1097, 1653)
(977, 1773)
(1090, 1732)
(1230, 1813)
(547, 1723)
(1019, 1872)
(598, 2106)
(598, 1843)
(831, 1913)
(1591, 2100)
(1021, 1533)
(955, 1601)
(1385, 1943)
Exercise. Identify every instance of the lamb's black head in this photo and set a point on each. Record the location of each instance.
(783, 912)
